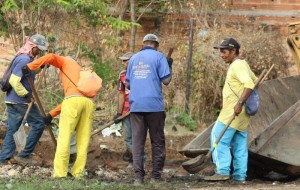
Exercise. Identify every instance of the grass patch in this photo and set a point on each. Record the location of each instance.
(36, 183)
(183, 118)
(186, 120)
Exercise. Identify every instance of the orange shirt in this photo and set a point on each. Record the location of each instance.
(68, 67)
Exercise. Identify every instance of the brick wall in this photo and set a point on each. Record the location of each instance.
(270, 12)
(276, 14)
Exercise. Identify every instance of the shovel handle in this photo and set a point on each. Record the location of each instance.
(37, 99)
(170, 52)
(220, 136)
(108, 124)
(26, 113)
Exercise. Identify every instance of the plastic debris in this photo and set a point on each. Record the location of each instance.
(113, 129)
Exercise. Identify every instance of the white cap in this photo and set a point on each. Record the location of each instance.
(151, 37)
(126, 56)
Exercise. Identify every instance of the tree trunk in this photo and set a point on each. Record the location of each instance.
(133, 27)
(189, 66)
(122, 9)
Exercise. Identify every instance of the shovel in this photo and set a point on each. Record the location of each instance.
(200, 162)
(20, 136)
(109, 124)
(37, 99)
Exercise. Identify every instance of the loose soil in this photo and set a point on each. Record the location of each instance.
(105, 164)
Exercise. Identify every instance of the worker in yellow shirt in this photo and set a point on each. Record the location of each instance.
(239, 83)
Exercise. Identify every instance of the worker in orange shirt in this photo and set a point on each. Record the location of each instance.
(76, 114)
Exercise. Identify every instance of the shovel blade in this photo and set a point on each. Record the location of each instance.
(20, 138)
(196, 164)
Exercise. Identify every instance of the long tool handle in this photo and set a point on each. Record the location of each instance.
(109, 124)
(37, 99)
(220, 136)
(170, 52)
(26, 113)
(268, 72)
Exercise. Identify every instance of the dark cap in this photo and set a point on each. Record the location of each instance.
(126, 56)
(228, 43)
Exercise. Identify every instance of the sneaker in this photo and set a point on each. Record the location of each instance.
(138, 182)
(26, 161)
(217, 177)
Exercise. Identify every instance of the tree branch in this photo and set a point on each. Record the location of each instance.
(144, 10)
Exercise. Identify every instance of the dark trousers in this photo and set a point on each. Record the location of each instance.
(140, 123)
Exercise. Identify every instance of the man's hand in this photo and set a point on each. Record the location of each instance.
(116, 120)
(26, 71)
(47, 119)
(28, 97)
(238, 108)
(170, 62)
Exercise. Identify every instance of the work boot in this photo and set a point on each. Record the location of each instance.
(138, 182)
(127, 156)
(217, 177)
(26, 161)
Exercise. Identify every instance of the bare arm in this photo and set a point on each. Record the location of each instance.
(121, 101)
(167, 80)
(238, 107)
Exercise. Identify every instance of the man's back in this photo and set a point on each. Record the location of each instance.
(145, 71)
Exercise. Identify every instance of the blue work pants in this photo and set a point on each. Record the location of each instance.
(222, 157)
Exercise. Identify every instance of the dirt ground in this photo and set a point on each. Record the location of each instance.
(106, 164)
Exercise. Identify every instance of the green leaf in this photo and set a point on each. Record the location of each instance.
(9, 5)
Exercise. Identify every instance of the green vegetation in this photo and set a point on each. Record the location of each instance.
(183, 118)
(36, 183)
(186, 120)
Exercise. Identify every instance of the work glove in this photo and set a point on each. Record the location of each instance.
(28, 97)
(47, 119)
(170, 62)
(116, 120)
(26, 71)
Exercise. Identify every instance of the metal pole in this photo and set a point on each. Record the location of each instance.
(188, 69)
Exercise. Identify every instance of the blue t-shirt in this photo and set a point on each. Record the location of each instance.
(145, 72)
(19, 62)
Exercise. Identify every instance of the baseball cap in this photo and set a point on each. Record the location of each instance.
(228, 43)
(126, 56)
(151, 37)
(40, 41)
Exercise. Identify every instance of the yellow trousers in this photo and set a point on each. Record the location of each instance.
(76, 115)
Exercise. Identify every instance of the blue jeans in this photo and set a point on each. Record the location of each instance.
(235, 139)
(127, 129)
(16, 113)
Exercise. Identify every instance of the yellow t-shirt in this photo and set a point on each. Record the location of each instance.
(239, 76)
